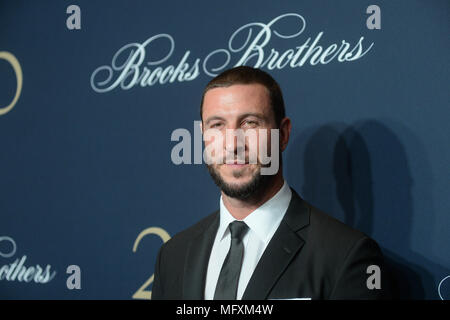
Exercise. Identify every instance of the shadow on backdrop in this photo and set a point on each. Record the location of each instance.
(360, 175)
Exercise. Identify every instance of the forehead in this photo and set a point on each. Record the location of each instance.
(235, 99)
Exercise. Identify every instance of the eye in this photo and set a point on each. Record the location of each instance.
(216, 125)
(251, 123)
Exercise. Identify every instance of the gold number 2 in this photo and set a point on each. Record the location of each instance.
(141, 293)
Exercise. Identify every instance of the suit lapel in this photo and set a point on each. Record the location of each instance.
(197, 259)
(280, 251)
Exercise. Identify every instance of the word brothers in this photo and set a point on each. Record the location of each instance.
(236, 147)
(141, 64)
(17, 271)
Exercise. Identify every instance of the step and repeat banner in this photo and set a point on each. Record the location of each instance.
(91, 93)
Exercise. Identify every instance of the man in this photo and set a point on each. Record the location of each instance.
(264, 242)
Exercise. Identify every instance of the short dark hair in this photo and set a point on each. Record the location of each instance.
(249, 75)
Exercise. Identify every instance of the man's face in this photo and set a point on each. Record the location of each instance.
(227, 109)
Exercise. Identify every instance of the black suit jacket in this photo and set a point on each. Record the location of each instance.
(311, 255)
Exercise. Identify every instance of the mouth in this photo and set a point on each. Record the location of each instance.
(236, 165)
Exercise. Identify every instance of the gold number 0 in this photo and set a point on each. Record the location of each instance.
(18, 70)
(142, 293)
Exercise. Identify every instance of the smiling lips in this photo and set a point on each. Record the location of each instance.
(235, 165)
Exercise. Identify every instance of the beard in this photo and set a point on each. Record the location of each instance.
(252, 189)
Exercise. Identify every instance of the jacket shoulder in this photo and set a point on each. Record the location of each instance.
(332, 237)
(183, 237)
(332, 226)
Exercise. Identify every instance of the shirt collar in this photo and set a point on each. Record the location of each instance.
(264, 220)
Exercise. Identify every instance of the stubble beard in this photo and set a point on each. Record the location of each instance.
(247, 191)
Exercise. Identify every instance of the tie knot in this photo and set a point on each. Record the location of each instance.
(238, 229)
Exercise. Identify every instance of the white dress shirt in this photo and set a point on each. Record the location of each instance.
(262, 223)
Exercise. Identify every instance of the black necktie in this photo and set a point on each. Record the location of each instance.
(226, 288)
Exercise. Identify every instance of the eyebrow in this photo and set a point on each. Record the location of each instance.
(242, 116)
(253, 114)
(213, 118)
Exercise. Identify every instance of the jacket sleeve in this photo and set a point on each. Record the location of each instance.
(158, 288)
(362, 274)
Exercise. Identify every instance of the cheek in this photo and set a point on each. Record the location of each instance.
(214, 148)
(218, 149)
(263, 143)
(252, 144)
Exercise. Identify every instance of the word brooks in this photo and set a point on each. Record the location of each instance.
(142, 64)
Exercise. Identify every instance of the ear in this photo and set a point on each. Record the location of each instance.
(285, 131)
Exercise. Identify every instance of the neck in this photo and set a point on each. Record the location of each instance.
(240, 209)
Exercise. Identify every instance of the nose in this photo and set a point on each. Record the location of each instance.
(235, 142)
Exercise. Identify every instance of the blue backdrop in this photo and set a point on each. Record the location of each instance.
(86, 117)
